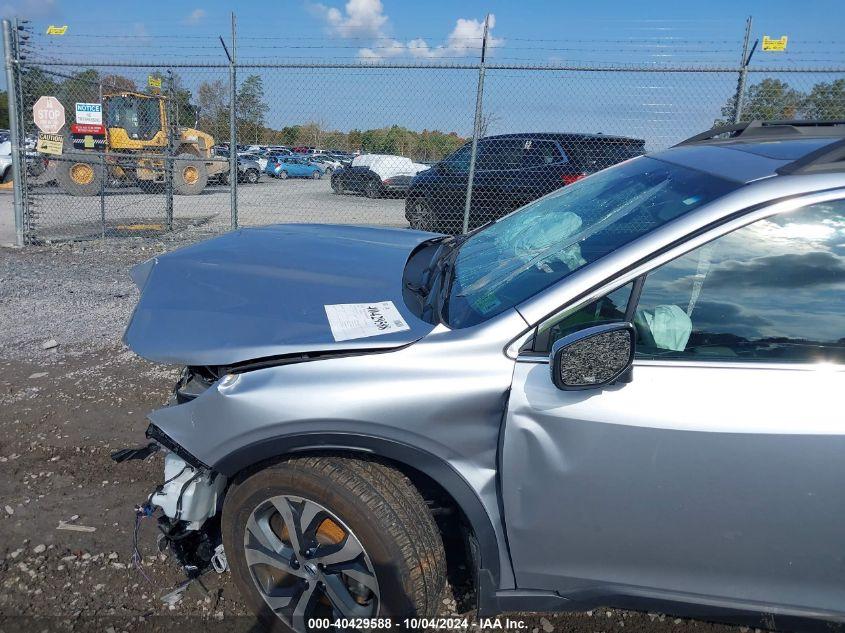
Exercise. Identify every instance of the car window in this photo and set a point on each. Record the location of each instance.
(499, 154)
(458, 161)
(539, 153)
(610, 308)
(527, 251)
(773, 291)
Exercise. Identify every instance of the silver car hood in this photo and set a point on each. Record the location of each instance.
(259, 293)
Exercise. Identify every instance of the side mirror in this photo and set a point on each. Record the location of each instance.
(592, 357)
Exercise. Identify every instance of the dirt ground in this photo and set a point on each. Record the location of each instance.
(66, 515)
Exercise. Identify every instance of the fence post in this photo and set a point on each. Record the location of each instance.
(743, 72)
(233, 138)
(476, 126)
(12, 69)
(172, 130)
(105, 172)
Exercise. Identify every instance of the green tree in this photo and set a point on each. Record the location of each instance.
(250, 109)
(767, 100)
(4, 109)
(825, 101)
(116, 83)
(213, 102)
(289, 134)
(185, 110)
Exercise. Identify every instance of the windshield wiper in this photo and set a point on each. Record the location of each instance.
(446, 277)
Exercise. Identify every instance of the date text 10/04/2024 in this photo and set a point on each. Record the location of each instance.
(421, 624)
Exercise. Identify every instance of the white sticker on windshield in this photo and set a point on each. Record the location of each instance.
(359, 320)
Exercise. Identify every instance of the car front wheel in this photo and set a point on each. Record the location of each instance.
(325, 537)
(420, 215)
(372, 189)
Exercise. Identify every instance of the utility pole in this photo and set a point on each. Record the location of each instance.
(743, 70)
(476, 128)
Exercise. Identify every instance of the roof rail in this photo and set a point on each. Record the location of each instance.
(762, 129)
(825, 159)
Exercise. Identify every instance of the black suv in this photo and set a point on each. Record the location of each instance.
(510, 171)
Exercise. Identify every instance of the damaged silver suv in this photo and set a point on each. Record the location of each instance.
(626, 393)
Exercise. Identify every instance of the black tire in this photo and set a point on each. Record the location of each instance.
(336, 187)
(150, 186)
(316, 174)
(282, 175)
(251, 176)
(372, 189)
(381, 507)
(224, 178)
(420, 215)
(7, 175)
(190, 174)
(79, 174)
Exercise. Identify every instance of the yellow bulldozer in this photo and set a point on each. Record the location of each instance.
(136, 144)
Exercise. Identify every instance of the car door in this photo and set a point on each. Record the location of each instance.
(715, 474)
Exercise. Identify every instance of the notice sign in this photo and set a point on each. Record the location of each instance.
(360, 320)
(56, 30)
(154, 82)
(89, 113)
(49, 143)
(774, 45)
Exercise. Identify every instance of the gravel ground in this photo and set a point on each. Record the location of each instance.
(59, 217)
(66, 518)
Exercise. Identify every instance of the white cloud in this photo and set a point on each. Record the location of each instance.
(358, 18)
(195, 17)
(366, 18)
(464, 41)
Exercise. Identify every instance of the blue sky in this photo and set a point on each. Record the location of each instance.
(657, 106)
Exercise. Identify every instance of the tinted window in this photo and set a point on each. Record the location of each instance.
(545, 241)
(593, 154)
(496, 154)
(539, 153)
(459, 161)
(771, 291)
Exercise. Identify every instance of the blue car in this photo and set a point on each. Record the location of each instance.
(293, 167)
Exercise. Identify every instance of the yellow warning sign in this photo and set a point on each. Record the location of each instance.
(154, 82)
(56, 30)
(774, 45)
(49, 143)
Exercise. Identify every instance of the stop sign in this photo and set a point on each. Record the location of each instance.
(48, 114)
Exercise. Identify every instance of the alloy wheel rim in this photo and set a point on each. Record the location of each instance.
(306, 563)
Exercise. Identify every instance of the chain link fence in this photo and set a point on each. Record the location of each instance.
(434, 146)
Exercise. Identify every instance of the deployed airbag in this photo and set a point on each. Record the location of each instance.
(667, 327)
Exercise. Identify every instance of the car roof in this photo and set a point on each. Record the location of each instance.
(757, 149)
(565, 136)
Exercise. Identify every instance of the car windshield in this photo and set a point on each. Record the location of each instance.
(527, 251)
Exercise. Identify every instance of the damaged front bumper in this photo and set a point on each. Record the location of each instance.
(190, 499)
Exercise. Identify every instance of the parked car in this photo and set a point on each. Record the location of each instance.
(626, 393)
(376, 175)
(511, 170)
(249, 171)
(292, 167)
(326, 161)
